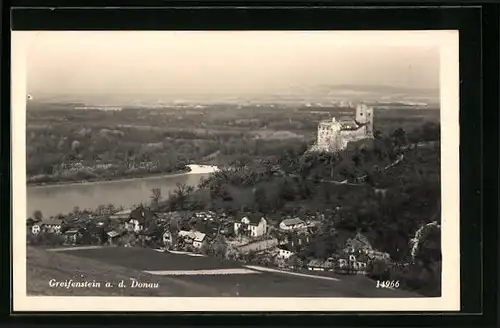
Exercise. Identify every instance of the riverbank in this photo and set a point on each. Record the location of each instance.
(189, 169)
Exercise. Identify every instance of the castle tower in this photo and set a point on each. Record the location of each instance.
(364, 115)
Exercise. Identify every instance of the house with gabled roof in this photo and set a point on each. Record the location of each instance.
(193, 237)
(76, 235)
(121, 215)
(292, 224)
(114, 236)
(255, 225)
(139, 218)
(284, 252)
(47, 225)
(316, 265)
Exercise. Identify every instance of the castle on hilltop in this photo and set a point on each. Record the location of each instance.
(334, 135)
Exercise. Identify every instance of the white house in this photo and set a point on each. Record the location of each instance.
(167, 238)
(138, 218)
(292, 224)
(199, 239)
(35, 229)
(284, 253)
(255, 225)
(207, 215)
(51, 226)
(196, 238)
(135, 225)
(351, 263)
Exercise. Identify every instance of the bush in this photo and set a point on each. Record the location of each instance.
(379, 270)
(45, 238)
(422, 279)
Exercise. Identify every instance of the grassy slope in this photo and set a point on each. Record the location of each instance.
(43, 266)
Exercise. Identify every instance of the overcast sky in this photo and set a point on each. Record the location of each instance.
(226, 63)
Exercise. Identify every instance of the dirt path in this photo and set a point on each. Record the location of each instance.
(258, 268)
(65, 249)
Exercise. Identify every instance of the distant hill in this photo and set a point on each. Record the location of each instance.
(326, 94)
(38, 105)
(379, 88)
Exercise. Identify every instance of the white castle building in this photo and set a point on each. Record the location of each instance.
(334, 135)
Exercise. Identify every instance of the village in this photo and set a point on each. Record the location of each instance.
(250, 238)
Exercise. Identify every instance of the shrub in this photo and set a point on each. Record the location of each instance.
(417, 277)
(45, 238)
(379, 270)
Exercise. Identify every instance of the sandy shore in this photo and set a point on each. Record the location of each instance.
(191, 169)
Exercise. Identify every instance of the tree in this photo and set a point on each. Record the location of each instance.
(260, 198)
(178, 197)
(426, 245)
(155, 198)
(218, 247)
(101, 209)
(399, 137)
(287, 191)
(111, 208)
(37, 215)
(231, 253)
(295, 262)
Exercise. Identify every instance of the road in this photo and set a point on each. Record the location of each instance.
(228, 278)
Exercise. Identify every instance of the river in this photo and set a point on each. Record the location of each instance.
(51, 200)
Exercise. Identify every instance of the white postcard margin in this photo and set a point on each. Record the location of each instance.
(447, 40)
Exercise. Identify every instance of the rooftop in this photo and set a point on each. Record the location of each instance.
(121, 214)
(285, 247)
(141, 214)
(113, 234)
(291, 222)
(195, 235)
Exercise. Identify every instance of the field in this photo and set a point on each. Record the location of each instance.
(114, 264)
(42, 266)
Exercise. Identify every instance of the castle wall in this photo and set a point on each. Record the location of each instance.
(355, 135)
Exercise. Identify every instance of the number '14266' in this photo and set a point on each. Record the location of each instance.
(388, 284)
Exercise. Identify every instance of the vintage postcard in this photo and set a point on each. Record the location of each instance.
(235, 170)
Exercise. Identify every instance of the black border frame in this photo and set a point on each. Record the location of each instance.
(478, 26)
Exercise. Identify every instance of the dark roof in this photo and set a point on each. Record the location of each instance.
(286, 247)
(316, 263)
(141, 214)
